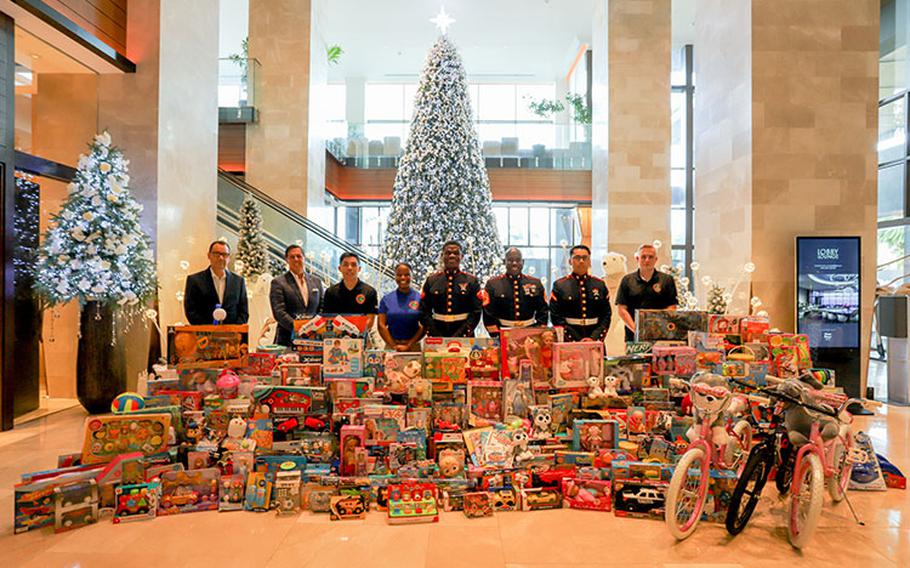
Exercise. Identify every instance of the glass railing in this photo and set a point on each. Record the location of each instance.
(237, 81)
(542, 145)
(281, 226)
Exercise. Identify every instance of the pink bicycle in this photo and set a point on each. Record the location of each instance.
(824, 442)
(715, 441)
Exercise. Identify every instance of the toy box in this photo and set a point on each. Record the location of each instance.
(632, 470)
(867, 471)
(350, 388)
(400, 369)
(75, 505)
(639, 498)
(216, 346)
(189, 491)
(477, 504)
(286, 401)
(412, 503)
(445, 369)
(594, 435)
(678, 361)
(634, 372)
(231, 492)
(482, 353)
(592, 494)
(347, 506)
(449, 416)
(570, 459)
(301, 374)
(575, 363)
(753, 328)
(420, 394)
(186, 400)
(136, 502)
(342, 357)
(352, 438)
(720, 490)
(668, 325)
(505, 499)
(723, 324)
(637, 348)
(382, 423)
(105, 437)
(318, 498)
(540, 498)
(517, 398)
(561, 404)
(374, 366)
(258, 492)
(260, 364)
(532, 346)
(286, 492)
(484, 402)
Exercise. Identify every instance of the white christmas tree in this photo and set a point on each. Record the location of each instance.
(441, 190)
(95, 249)
(252, 259)
(717, 299)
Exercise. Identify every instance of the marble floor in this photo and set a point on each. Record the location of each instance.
(545, 538)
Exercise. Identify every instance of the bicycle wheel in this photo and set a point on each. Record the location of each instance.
(784, 475)
(837, 484)
(748, 489)
(806, 507)
(686, 494)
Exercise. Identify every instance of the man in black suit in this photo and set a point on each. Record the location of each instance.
(294, 295)
(215, 287)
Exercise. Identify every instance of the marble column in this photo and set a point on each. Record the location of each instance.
(165, 118)
(786, 114)
(285, 154)
(631, 126)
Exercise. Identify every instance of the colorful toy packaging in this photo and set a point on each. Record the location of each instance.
(347, 506)
(531, 349)
(477, 504)
(207, 345)
(674, 360)
(586, 494)
(412, 503)
(342, 357)
(639, 498)
(575, 364)
(76, 505)
(189, 491)
(668, 325)
(136, 502)
(594, 435)
(540, 498)
(108, 436)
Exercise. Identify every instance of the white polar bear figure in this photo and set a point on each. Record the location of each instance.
(615, 268)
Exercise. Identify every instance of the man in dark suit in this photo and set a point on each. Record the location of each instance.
(215, 287)
(294, 295)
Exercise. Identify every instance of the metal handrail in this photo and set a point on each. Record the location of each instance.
(365, 259)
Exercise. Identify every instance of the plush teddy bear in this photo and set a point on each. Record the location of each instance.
(615, 267)
(595, 388)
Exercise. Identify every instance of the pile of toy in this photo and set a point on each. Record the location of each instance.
(524, 421)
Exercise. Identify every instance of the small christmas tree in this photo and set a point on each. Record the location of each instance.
(252, 259)
(685, 299)
(94, 248)
(717, 299)
(441, 190)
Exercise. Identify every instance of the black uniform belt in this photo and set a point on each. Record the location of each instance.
(582, 321)
(450, 317)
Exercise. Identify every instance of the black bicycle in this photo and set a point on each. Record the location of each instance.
(773, 455)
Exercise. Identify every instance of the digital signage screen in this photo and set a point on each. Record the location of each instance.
(828, 291)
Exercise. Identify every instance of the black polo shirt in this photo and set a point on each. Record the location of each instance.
(361, 299)
(636, 293)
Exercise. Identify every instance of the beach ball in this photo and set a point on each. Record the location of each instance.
(127, 402)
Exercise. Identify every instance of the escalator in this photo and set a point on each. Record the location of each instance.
(282, 226)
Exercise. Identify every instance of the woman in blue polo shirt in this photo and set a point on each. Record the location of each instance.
(399, 313)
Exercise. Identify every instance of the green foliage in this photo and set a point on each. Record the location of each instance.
(545, 108)
(334, 54)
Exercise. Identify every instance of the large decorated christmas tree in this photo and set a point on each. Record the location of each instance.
(441, 191)
(94, 248)
(252, 259)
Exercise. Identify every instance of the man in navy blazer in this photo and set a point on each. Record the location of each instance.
(215, 286)
(294, 295)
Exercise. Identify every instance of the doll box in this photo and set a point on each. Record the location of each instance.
(529, 351)
(594, 435)
(574, 363)
(482, 353)
(674, 360)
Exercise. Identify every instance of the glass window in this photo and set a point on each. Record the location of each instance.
(678, 130)
(540, 226)
(335, 102)
(894, 28)
(378, 131)
(497, 102)
(678, 226)
(518, 226)
(891, 192)
(537, 261)
(559, 263)
(892, 133)
(384, 101)
(678, 256)
(892, 245)
(410, 93)
(678, 186)
(502, 223)
(564, 227)
(528, 93)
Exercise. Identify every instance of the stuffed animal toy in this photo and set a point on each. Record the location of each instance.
(520, 440)
(451, 463)
(799, 419)
(542, 420)
(615, 267)
(595, 388)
